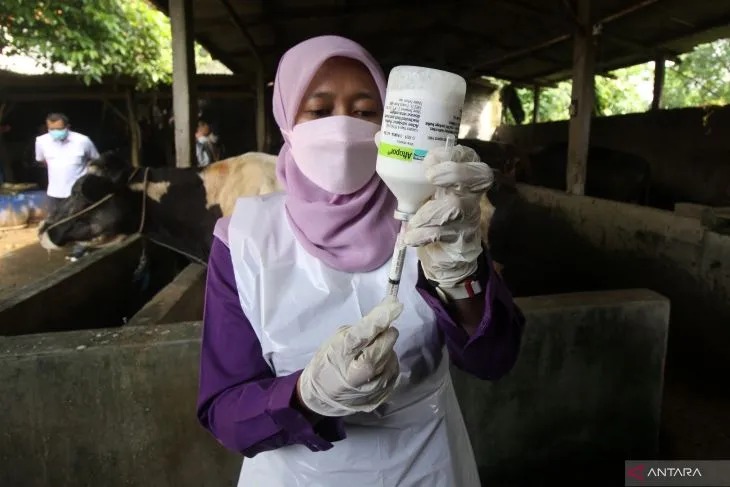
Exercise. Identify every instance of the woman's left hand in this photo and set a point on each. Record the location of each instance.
(446, 229)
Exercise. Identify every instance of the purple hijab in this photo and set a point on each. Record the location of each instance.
(352, 233)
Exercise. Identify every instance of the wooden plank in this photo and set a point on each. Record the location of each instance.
(184, 103)
(581, 107)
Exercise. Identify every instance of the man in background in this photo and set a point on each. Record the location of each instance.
(66, 155)
(206, 144)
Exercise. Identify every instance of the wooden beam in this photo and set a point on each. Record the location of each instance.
(260, 75)
(486, 39)
(29, 97)
(530, 50)
(293, 11)
(269, 10)
(106, 103)
(213, 49)
(654, 45)
(184, 97)
(659, 64)
(581, 106)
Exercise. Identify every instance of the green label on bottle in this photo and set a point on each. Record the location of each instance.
(395, 152)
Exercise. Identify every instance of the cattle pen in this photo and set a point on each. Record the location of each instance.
(626, 295)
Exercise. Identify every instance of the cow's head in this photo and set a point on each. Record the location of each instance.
(100, 210)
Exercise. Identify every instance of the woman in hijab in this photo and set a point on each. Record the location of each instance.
(301, 370)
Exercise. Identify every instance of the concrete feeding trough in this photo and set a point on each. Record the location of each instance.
(179, 301)
(104, 289)
(116, 407)
(579, 243)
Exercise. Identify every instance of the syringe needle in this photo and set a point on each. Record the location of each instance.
(450, 142)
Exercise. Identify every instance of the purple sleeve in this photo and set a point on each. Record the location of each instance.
(240, 401)
(492, 351)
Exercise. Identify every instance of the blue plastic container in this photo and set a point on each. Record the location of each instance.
(21, 208)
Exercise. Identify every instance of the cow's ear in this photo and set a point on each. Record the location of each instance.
(110, 164)
(93, 188)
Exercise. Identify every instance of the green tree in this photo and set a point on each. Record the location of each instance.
(624, 90)
(554, 102)
(701, 78)
(204, 62)
(93, 38)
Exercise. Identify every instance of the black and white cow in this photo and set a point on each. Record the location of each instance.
(177, 207)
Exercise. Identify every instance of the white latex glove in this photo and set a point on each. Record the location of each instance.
(446, 229)
(356, 369)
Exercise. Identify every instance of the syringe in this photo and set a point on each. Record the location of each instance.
(399, 252)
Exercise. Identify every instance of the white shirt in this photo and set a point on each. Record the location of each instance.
(66, 160)
(202, 154)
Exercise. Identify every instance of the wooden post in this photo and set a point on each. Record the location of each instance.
(135, 139)
(6, 168)
(184, 99)
(581, 107)
(535, 103)
(260, 109)
(658, 82)
(260, 71)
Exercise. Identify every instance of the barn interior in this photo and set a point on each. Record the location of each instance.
(628, 299)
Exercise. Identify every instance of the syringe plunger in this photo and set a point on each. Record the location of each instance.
(396, 264)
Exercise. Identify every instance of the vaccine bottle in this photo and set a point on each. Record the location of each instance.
(422, 107)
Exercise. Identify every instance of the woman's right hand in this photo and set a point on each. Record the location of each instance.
(356, 369)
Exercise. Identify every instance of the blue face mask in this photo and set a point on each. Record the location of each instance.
(58, 134)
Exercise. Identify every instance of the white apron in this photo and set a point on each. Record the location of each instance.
(294, 303)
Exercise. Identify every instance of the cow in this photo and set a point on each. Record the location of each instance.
(610, 174)
(179, 206)
(507, 160)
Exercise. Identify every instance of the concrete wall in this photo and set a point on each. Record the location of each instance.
(111, 407)
(117, 407)
(563, 243)
(688, 149)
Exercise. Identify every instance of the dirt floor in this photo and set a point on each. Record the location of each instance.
(23, 261)
(14, 239)
(695, 421)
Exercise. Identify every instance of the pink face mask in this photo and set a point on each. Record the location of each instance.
(336, 153)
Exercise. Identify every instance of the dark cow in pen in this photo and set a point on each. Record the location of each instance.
(176, 207)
